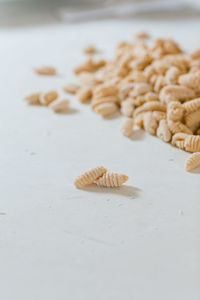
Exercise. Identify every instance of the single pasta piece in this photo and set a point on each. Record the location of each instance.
(149, 122)
(111, 180)
(176, 92)
(190, 80)
(177, 127)
(192, 143)
(89, 79)
(163, 131)
(106, 109)
(33, 99)
(192, 105)
(109, 99)
(89, 49)
(192, 120)
(45, 70)
(159, 83)
(126, 127)
(89, 177)
(89, 65)
(59, 106)
(179, 137)
(127, 107)
(150, 106)
(71, 88)
(195, 54)
(142, 34)
(48, 97)
(84, 94)
(171, 76)
(105, 90)
(175, 111)
(192, 162)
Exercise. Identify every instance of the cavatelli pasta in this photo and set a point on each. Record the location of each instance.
(89, 177)
(192, 162)
(111, 180)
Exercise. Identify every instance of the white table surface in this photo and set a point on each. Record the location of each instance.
(57, 242)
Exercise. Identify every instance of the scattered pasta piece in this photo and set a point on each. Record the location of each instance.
(106, 109)
(71, 88)
(192, 162)
(48, 97)
(59, 106)
(126, 127)
(90, 49)
(84, 94)
(142, 34)
(45, 70)
(111, 180)
(33, 99)
(89, 177)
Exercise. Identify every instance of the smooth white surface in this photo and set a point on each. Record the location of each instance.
(57, 242)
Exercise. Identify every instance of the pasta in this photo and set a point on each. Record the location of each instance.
(175, 111)
(163, 131)
(127, 107)
(149, 122)
(105, 109)
(150, 106)
(192, 143)
(71, 88)
(33, 99)
(111, 180)
(48, 97)
(192, 162)
(192, 105)
(84, 94)
(45, 70)
(126, 127)
(192, 120)
(89, 177)
(59, 106)
(177, 127)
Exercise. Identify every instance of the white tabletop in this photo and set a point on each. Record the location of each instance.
(56, 242)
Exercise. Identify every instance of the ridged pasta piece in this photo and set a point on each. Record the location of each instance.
(106, 109)
(111, 180)
(45, 70)
(97, 101)
(159, 83)
(105, 90)
(192, 143)
(33, 99)
(192, 120)
(89, 79)
(192, 105)
(175, 111)
(71, 88)
(150, 106)
(48, 97)
(127, 107)
(89, 65)
(190, 80)
(171, 76)
(180, 145)
(192, 162)
(163, 131)
(176, 92)
(177, 127)
(89, 177)
(59, 106)
(150, 123)
(179, 137)
(84, 94)
(141, 88)
(126, 127)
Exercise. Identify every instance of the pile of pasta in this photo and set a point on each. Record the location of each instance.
(154, 84)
